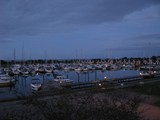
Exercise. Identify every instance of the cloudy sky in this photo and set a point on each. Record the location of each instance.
(68, 29)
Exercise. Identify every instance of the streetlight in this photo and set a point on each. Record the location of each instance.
(105, 77)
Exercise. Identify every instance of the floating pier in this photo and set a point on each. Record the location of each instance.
(106, 82)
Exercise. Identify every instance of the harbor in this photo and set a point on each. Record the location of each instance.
(27, 79)
(79, 60)
(111, 85)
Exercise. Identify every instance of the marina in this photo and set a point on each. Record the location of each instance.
(79, 60)
(29, 78)
(22, 85)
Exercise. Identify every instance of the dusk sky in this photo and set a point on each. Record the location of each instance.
(69, 29)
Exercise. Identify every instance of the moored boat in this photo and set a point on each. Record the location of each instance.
(147, 74)
(36, 84)
(6, 80)
(62, 79)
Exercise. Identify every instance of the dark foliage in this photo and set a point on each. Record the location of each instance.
(79, 106)
(88, 108)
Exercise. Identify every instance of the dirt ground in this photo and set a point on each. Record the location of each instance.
(150, 112)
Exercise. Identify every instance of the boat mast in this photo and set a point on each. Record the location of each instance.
(0, 63)
(150, 53)
(14, 57)
(23, 61)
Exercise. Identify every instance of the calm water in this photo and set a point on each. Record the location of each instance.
(22, 86)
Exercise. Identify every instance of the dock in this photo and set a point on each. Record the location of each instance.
(110, 82)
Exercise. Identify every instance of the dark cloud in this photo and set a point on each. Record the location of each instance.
(139, 43)
(154, 36)
(148, 40)
(6, 41)
(134, 51)
(30, 17)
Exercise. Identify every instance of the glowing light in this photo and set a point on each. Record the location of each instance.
(122, 84)
(100, 84)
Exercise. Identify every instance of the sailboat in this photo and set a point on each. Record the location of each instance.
(147, 74)
(62, 79)
(36, 84)
(6, 80)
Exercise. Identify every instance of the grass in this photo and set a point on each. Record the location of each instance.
(157, 103)
(148, 89)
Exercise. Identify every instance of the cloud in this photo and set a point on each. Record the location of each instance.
(150, 36)
(134, 51)
(35, 17)
(144, 40)
(7, 40)
(138, 43)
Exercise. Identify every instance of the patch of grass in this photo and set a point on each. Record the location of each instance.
(157, 103)
(149, 89)
(10, 100)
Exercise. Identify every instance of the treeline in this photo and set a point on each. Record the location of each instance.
(42, 61)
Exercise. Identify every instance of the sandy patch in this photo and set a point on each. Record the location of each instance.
(150, 112)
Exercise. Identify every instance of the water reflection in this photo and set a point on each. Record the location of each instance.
(23, 87)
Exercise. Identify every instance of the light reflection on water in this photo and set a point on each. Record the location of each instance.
(99, 75)
(23, 88)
